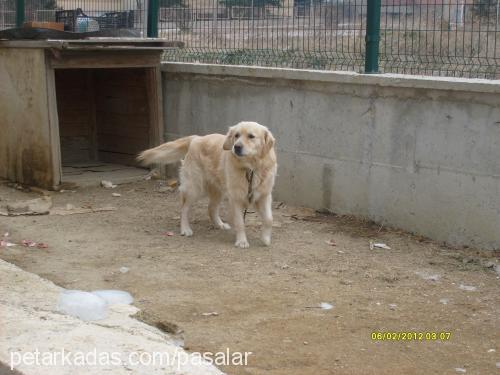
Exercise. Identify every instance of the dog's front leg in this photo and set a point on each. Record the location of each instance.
(264, 205)
(239, 225)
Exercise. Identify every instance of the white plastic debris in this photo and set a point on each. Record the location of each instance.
(116, 194)
(83, 305)
(460, 369)
(381, 245)
(108, 184)
(491, 350)
(213, 313)
(444, 301)
(468, 288)
(4, 243)
(325, 306)
(178, 342)
(113, 297)
(428, 276)
(392, 306)
(124, 269)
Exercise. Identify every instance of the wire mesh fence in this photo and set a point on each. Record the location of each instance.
(446, 37)
(296, 35)
(79, 15)
(458, 38)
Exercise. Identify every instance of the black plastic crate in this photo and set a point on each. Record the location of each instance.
(116, 20)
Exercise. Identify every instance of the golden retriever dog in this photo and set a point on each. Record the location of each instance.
(240, 165)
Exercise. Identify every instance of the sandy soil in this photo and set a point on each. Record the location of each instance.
(267, 298)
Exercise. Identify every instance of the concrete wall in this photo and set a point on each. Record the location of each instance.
(421, 154)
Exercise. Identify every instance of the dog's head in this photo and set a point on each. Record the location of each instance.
(249, 139)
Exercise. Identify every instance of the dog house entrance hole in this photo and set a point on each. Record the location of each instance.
(104, 122)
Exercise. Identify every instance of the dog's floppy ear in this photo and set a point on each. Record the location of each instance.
(228, 143)
(268, 143)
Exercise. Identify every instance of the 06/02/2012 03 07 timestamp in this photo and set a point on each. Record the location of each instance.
(411, 336)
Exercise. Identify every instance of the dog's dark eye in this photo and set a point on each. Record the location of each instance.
(251, 136)
(237, 135)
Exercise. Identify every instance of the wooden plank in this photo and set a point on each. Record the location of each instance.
(74, 130)
(74, 149)
(154, 99)
(105, 59)
(123, 105)
(92, 43)
(44, 25)
(127, 132)
(109, 121)
(123, 91)
(117, 158)
(123, 145)
(53, 119)
(92, 119)
(135, 77)
(75, 103)
(26, 126)
(69, 79)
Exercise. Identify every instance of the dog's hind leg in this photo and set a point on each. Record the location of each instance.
(264, 205)
(186, 201)
(215, 199)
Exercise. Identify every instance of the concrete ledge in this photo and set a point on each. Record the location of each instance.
(382, 80)
(29, 323)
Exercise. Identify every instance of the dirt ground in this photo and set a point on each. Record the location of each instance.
(267, 298)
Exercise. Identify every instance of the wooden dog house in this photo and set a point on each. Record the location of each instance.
(75, 102)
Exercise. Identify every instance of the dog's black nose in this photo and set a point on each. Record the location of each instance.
(238, 149)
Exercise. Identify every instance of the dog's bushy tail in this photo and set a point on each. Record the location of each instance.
(166, 153)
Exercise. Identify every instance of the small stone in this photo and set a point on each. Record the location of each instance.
(460, 369)
(124, 269)
(489, 264)
(468, 288)
(497, 269)
(107, 184)
(392, 306)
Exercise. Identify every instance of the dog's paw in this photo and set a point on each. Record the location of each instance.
(225, 226)
(187, 232)
(243, 244)
(266, 240)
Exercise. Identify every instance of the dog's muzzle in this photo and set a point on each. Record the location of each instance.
(238, 150)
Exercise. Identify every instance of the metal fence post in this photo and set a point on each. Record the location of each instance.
(19, 13)
(372, 36)
(153, 6)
